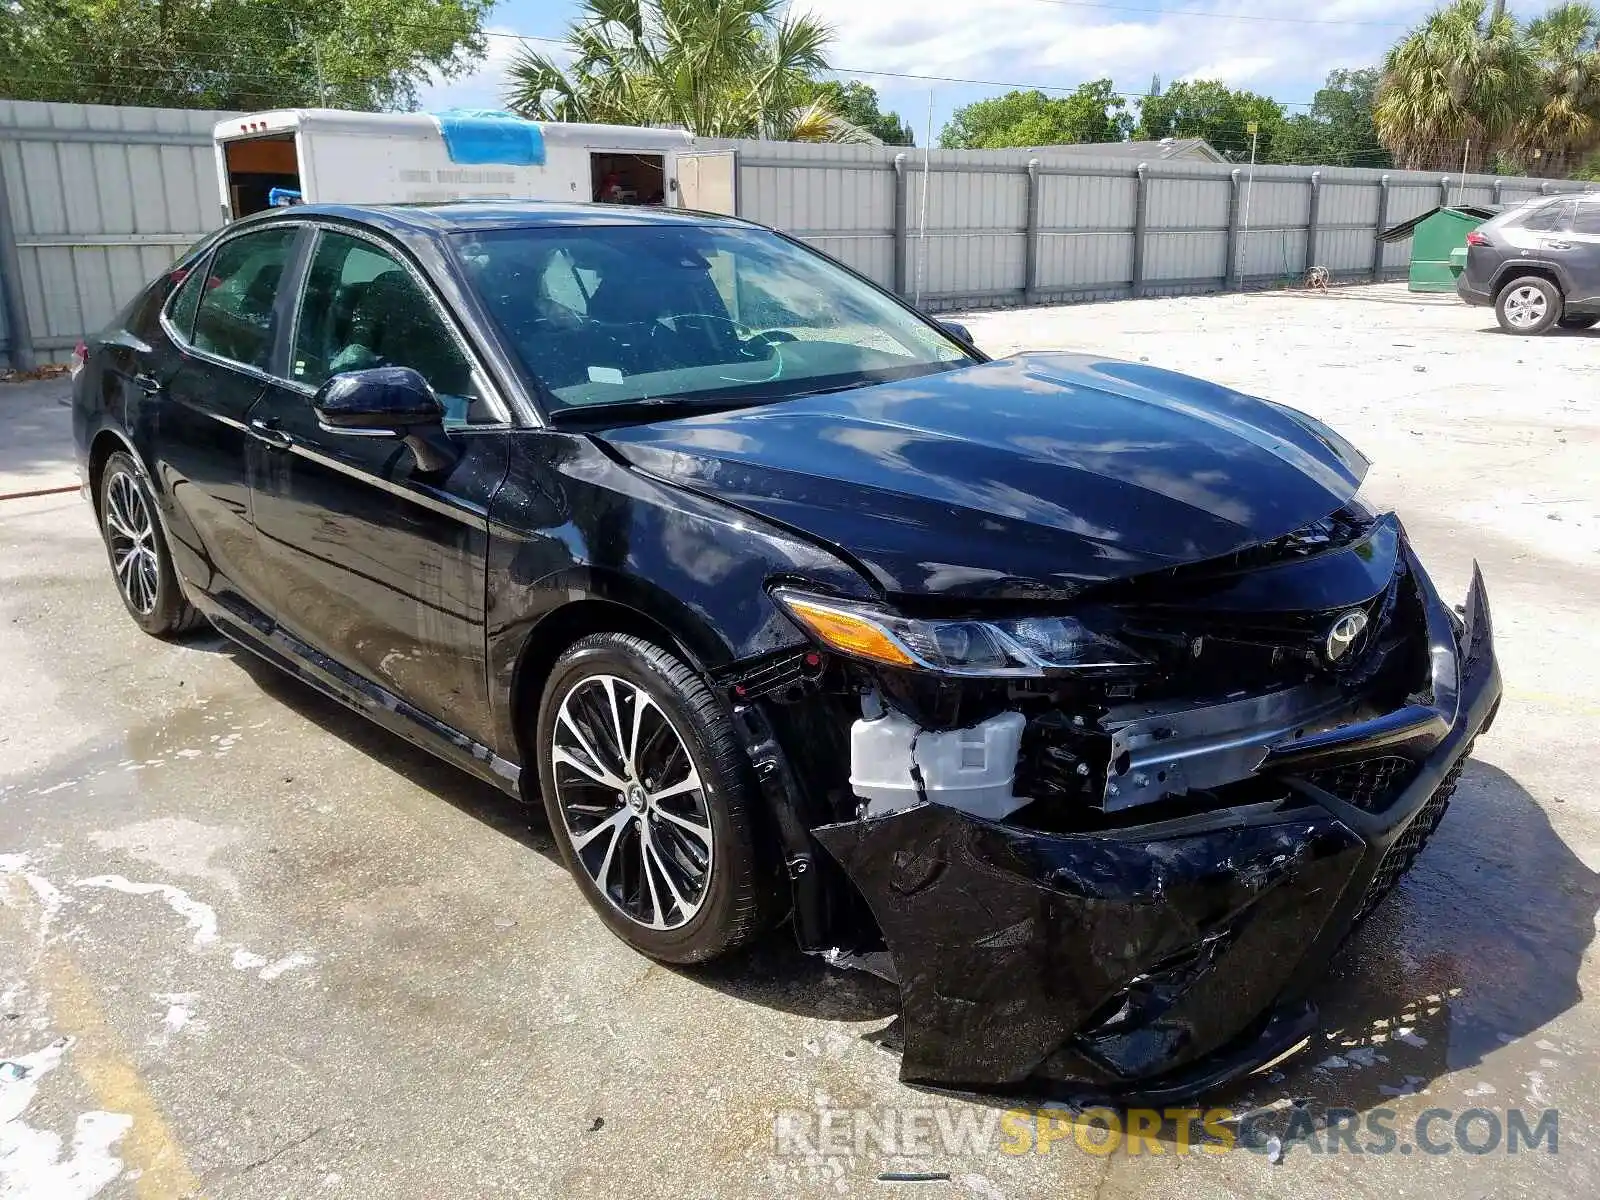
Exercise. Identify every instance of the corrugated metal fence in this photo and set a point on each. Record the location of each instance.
(1006, 227)
(95, 200)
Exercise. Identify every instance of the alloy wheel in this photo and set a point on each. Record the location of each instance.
(131, 534)
(1526, 307)
(632, 801)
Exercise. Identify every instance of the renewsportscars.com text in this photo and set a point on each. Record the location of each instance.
(913, 1132)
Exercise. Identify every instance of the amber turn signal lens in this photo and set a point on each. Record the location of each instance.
(848, 633)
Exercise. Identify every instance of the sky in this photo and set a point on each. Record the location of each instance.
(1280, 48)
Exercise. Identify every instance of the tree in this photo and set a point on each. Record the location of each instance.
(1338, 129)
(1206, 108)
(1093, 113)
(1562, 125)
(858, 103)
(1458, 85)
(237, 54)
(718, 68)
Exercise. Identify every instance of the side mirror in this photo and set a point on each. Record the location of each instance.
(387, 402)
(960, 332)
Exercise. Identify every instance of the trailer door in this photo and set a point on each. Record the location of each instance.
(708, 180)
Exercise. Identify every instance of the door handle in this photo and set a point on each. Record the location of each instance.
(265, 429)
(1558, 245)
(149, 384)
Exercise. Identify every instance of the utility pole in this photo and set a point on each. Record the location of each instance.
(922, 221)
(1254, 129)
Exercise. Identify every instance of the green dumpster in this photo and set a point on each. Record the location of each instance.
(1438, 244)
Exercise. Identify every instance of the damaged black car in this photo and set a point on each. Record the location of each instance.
(1089, 702)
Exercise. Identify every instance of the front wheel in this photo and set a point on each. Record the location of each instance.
(644, 782)
(1579, 322)
(1529, 305)
(139, 557)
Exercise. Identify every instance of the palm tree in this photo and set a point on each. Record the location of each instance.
(1564, 126)
(718, 68)
(1458, 83)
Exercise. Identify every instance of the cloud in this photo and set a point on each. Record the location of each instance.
(481, 88)
(1233, 71)
(1064, 44)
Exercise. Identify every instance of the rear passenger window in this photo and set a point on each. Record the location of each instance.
(1550, 218)
(234, 319)
(1587, 220)
(186, 299)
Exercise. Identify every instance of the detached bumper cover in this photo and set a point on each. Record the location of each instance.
(1157, 962)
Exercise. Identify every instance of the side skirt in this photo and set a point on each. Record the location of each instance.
(311, 666)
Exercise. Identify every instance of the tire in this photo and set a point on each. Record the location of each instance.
(141, 565)
(1528, 305)
(703, 893)
(1579, 322)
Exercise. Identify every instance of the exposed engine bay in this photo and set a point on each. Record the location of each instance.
(1070, 866)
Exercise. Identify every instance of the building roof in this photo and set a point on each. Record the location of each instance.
(1190, 148)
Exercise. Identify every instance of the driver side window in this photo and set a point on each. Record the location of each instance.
(363, 309)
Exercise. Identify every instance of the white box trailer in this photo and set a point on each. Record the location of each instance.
(328, 156)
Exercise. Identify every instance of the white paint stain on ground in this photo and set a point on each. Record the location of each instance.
(176, 844)
(32, 1166)
(197, 915)
(177, 1016)
(287, 963)
(201, 918)
(46, 893)
(243, 960)
(1536, 1088)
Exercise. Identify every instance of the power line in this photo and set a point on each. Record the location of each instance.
(921, 78)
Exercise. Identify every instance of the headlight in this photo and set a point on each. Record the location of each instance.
(1025, 646)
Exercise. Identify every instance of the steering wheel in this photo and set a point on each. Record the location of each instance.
(747, 338)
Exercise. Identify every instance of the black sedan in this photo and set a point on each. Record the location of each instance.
(1087, 700)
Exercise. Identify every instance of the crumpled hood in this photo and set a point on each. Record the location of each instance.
(1026, 477)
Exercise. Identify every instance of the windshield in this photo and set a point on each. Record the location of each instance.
(608, 314)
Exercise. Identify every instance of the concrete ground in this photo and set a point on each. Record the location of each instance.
(252, 946)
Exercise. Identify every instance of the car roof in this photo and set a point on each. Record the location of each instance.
(464, 215)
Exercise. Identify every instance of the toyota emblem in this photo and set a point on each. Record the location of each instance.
(1344, 635)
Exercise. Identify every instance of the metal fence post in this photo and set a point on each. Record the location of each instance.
(1230, 273)
(1030, 259)
(1377, 233)
(902, 199)
(19, 338)
(1313, 213)
(1141, 206)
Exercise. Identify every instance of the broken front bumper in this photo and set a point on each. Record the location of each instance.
(1158, 961)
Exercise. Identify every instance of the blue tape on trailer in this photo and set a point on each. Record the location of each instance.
(477, 137)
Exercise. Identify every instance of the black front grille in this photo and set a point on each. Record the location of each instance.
(1371, 784)
(1403, 852)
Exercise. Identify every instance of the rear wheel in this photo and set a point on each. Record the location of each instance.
(644, 782)
(1579, 322)
(140, 561)
(1529, 305)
